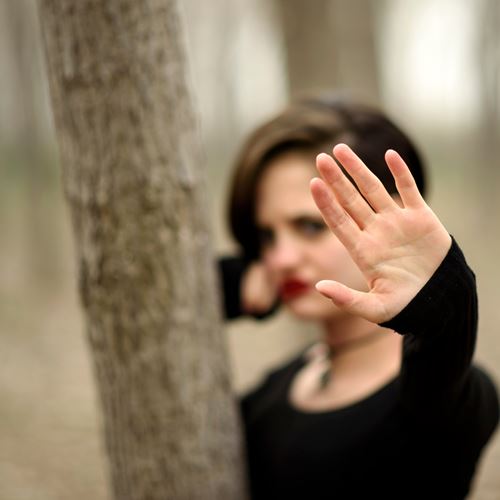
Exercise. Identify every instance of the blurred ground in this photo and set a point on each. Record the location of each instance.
(49, 428)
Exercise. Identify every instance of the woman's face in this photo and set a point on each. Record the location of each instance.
(297, 248)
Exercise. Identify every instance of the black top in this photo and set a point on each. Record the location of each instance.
(419, 436)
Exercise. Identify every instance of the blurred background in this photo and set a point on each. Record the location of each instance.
(433, 65)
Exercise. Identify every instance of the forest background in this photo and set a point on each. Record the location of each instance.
(433, 65)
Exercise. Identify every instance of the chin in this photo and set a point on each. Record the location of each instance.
(312, 307)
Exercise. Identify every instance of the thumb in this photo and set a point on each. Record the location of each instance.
(364, 304)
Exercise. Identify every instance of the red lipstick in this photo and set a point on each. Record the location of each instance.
(292, 288)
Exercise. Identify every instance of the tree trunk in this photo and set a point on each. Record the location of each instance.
(488, 59)
(132, 176)
(330, 46)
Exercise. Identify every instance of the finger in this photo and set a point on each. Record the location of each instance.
(336, 218)
(348, 196)
(257, 293)
(405, 183)
(368, 183)
(363, 304)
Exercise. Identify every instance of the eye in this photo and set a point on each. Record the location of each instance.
(309, 226)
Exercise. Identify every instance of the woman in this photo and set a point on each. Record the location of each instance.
(389, 405)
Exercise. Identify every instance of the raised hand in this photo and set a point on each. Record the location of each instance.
(397, 246)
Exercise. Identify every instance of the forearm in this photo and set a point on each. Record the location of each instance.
(440, 326)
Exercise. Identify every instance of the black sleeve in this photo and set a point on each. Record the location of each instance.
(230, 270)
(439, 327)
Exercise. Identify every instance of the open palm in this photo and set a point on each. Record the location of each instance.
(397, 246)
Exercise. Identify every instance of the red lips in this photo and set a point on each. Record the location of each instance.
(293, 288)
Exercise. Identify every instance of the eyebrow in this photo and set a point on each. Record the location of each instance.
(308, 218)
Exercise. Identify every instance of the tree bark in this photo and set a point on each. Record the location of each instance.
(488, 59)
(330, 46)
(132, 177)
(485, 153)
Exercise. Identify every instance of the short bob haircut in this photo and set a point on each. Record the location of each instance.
(310, 126)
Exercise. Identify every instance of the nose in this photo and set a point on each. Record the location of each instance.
(284, 255)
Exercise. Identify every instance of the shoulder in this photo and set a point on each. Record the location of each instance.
(481, 391)
(479, 404)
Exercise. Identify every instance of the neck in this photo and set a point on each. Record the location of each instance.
(371, 337)
(358, 346)
(348, 331)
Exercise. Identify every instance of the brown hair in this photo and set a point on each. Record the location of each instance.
(311, 126)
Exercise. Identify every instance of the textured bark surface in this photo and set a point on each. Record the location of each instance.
(330, 45)
(131, 167)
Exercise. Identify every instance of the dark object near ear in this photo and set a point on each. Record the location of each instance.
(231, 271)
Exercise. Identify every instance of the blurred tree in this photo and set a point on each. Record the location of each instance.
(330, 45)
(131, 164)
(22, 135)
(489, 70)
